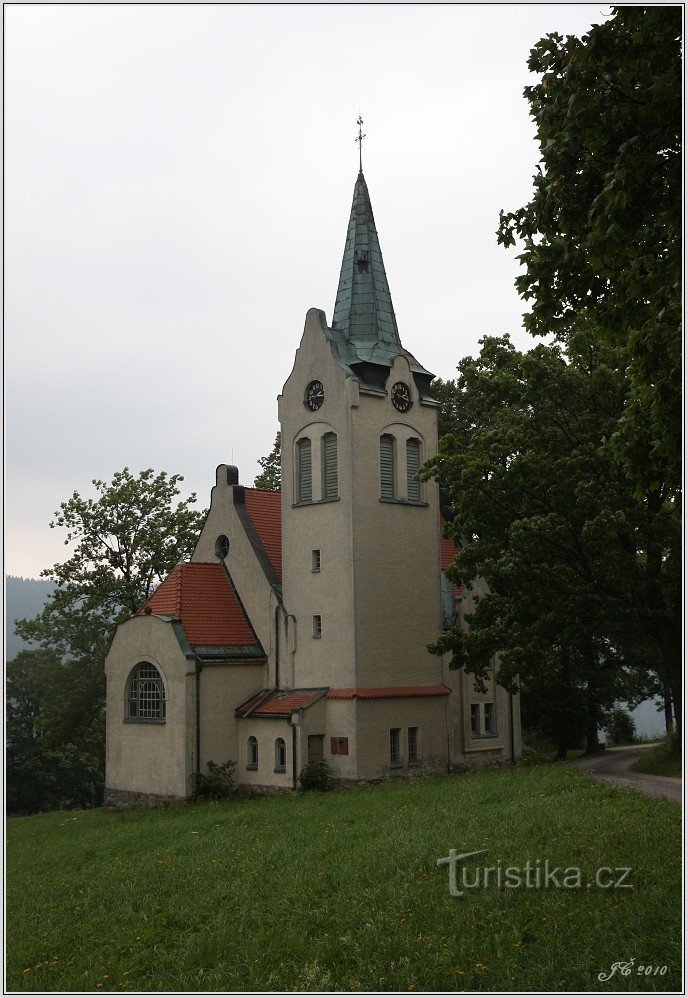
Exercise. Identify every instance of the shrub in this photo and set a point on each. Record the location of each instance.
(316, 776)
(217, 783)
(620, 727)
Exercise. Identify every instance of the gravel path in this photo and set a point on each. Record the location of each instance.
(614, 766)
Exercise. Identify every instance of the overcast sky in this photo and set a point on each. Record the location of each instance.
(178, 186)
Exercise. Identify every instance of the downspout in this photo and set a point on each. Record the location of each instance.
(199, 669)
(293, 751)
(277, 647)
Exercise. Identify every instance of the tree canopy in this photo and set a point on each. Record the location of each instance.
(555, 527)
(270, 477)
(601, 236)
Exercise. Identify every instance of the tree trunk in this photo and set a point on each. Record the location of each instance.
(668, 715)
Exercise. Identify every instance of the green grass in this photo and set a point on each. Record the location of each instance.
(341, 891)
(663, 760)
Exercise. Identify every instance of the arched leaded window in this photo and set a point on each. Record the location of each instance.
(252, 753)
(304, 471)
(280, 756)
(412, 469)
(146, 694)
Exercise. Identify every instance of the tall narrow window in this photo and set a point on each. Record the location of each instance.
(395, 746)
(475, 719)
(489, 719)
(413, 755)
(315, 560)
(387, 490)
(317, 625)
(330, 487)
(280, 756)
(252, 753)
(305, 475)
(412, 468)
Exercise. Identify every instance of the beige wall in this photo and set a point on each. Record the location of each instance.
(266, 731)
(147, 757)
(223, 688)
(376, 717)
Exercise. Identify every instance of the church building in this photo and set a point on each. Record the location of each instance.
(298, 630)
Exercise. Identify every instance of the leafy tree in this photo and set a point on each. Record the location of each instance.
(555, 528)
(124, 543)
(54, 727)
(270, 477)
(620, 727)
(602, 234)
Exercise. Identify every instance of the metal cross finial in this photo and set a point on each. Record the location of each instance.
(359, 139)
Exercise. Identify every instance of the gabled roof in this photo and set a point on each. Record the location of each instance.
(202, 596)
(279, 703)
(265, 511)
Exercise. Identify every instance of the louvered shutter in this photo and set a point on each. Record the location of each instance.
(305, 474)
(412, 467)
(330, 477)
(387, 467)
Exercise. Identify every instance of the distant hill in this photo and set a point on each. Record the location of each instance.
(23, 598)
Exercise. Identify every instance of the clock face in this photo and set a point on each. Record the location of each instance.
(315, 396)
(401, 397)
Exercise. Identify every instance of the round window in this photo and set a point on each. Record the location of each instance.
(222, 546)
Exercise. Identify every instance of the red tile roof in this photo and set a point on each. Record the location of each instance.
(204, 599)
(265, 510)
(389, 692)
(277, 703)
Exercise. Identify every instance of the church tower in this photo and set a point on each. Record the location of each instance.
(360, 534)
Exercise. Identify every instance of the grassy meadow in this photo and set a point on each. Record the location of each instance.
(341, 891)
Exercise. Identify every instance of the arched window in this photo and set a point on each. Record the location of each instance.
(304, 475)
(387, 472)
(146, 694)
(280, 756)
(412, 468)
(330, 481)
(252, 753)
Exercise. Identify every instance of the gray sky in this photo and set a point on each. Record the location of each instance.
(178, 185)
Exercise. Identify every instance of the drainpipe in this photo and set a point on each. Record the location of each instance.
(199, 669)
(277, 647)
(290, 722)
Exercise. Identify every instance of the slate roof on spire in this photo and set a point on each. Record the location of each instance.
(364, 327)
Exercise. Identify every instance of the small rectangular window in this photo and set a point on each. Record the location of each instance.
(412, 469)
(317, 625)
(413, 755)
(387, 489)
(475, 719)
(339, 746)
(489, 718)
(315, 560)
(330, 487)
(305, 476)
(394, 746)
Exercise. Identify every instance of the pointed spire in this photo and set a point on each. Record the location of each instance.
(363, 311)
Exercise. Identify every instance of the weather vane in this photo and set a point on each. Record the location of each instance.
(359, 139)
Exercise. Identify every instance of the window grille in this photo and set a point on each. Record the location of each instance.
(146, 697)
(305, 476)
(394, 749)
(330, 477)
